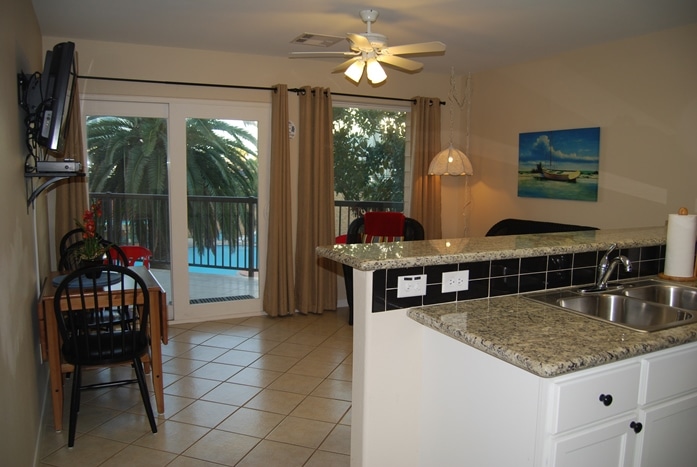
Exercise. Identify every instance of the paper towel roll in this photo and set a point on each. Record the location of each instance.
(680, 245)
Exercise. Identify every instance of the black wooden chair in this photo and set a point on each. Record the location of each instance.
(103, 321)
(382, 227)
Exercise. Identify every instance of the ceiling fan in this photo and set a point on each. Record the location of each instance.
(368, 50)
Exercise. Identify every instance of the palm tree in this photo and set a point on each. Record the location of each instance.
(129, 155)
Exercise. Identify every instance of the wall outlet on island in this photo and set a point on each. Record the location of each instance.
(411, 286)
(454, 281)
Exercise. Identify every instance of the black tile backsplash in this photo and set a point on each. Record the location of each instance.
(511, 276)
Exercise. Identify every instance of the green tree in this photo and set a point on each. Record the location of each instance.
(129, 155)
(369, 154)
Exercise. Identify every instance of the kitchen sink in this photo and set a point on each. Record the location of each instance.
(645, 305)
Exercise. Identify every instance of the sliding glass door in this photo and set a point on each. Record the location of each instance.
(192, 181)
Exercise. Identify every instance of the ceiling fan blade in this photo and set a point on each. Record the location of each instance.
(399, 62)
(421, 48)
(345, 65)
(360, 42)
(322, 54)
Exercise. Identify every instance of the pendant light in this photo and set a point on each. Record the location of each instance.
(452, 161)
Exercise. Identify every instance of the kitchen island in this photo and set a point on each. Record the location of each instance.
(484, 376)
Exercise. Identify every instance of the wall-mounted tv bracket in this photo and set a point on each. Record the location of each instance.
(53, 177)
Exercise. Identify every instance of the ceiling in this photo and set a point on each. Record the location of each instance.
(479, 34)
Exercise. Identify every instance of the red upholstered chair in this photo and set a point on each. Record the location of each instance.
(377, 227)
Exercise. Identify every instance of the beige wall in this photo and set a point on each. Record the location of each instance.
(641, 92)
(23, 378)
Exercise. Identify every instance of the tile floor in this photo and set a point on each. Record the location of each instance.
(241, 392)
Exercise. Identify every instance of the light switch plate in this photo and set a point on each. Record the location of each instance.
(411, 286)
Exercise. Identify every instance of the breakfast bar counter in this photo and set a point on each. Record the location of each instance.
(443, 378)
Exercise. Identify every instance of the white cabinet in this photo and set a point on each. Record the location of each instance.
(668, 409)
(641, 412)
(605, 444)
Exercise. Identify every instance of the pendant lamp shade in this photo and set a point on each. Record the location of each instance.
(450, 161)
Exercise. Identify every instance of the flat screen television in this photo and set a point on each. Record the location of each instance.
(46, 98)
(56, 87)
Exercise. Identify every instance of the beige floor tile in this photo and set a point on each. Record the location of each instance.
(346, 419)
(311, 366)
(204, 413)
(334, 389)
(301, 432)
(274, 363)
(125, 427)
(88, 451)
(343, 372)
(251, 422)
(259, 346)
(231, 394)
(192, 337)
(289, 349)
(319, 408)
(191, 387)
(137, 456)
(299, 384)
(222, 447)
(270, 453)
(181, 366)
(241, 331)
(173, 437)
(328, 459)
(224, 341)
(204, 352)
(174, 348)
(339, 440)
(216, 371)
(245, 391)
(255, 377)
(238, 357)
(269, 400)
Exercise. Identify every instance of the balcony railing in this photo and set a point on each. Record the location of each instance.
(228, 225)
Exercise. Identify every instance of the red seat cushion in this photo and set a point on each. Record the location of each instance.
(383, 227)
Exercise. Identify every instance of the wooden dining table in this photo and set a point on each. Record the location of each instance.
(51, 341)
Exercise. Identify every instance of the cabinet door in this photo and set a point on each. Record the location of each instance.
(668, 437)
(604, 445)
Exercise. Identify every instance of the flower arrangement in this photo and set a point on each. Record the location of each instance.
(93, 248)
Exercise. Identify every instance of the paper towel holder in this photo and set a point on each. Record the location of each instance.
(682, 212)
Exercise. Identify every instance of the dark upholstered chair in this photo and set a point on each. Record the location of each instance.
(377, 227)
(521, 227)
(102, 314)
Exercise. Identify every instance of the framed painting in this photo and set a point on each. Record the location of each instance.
(559, 164)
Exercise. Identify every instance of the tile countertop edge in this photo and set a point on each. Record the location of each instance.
(542, 339)
(376, 256)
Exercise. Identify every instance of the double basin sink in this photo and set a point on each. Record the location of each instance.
(645, 305)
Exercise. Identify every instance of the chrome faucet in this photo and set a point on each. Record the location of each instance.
(606, 266)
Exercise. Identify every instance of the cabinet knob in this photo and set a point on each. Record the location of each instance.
(636, 426)
(606, 399)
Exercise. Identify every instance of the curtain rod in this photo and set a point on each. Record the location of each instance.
(234, 86)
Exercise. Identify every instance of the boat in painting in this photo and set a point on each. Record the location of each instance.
(558, 175)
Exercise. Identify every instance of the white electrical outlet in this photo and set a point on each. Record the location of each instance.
(411, 286)
(455, 281)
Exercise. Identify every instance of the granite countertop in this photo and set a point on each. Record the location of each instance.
(375, 256)
(543, 339)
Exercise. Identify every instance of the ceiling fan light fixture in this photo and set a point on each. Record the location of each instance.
(355, 71)
(376, 74)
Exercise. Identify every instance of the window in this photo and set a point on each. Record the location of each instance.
(371, 166)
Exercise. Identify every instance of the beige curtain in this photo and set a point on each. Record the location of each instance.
(425, 194)
(279, 286)
(72, 193)
(315, 278)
